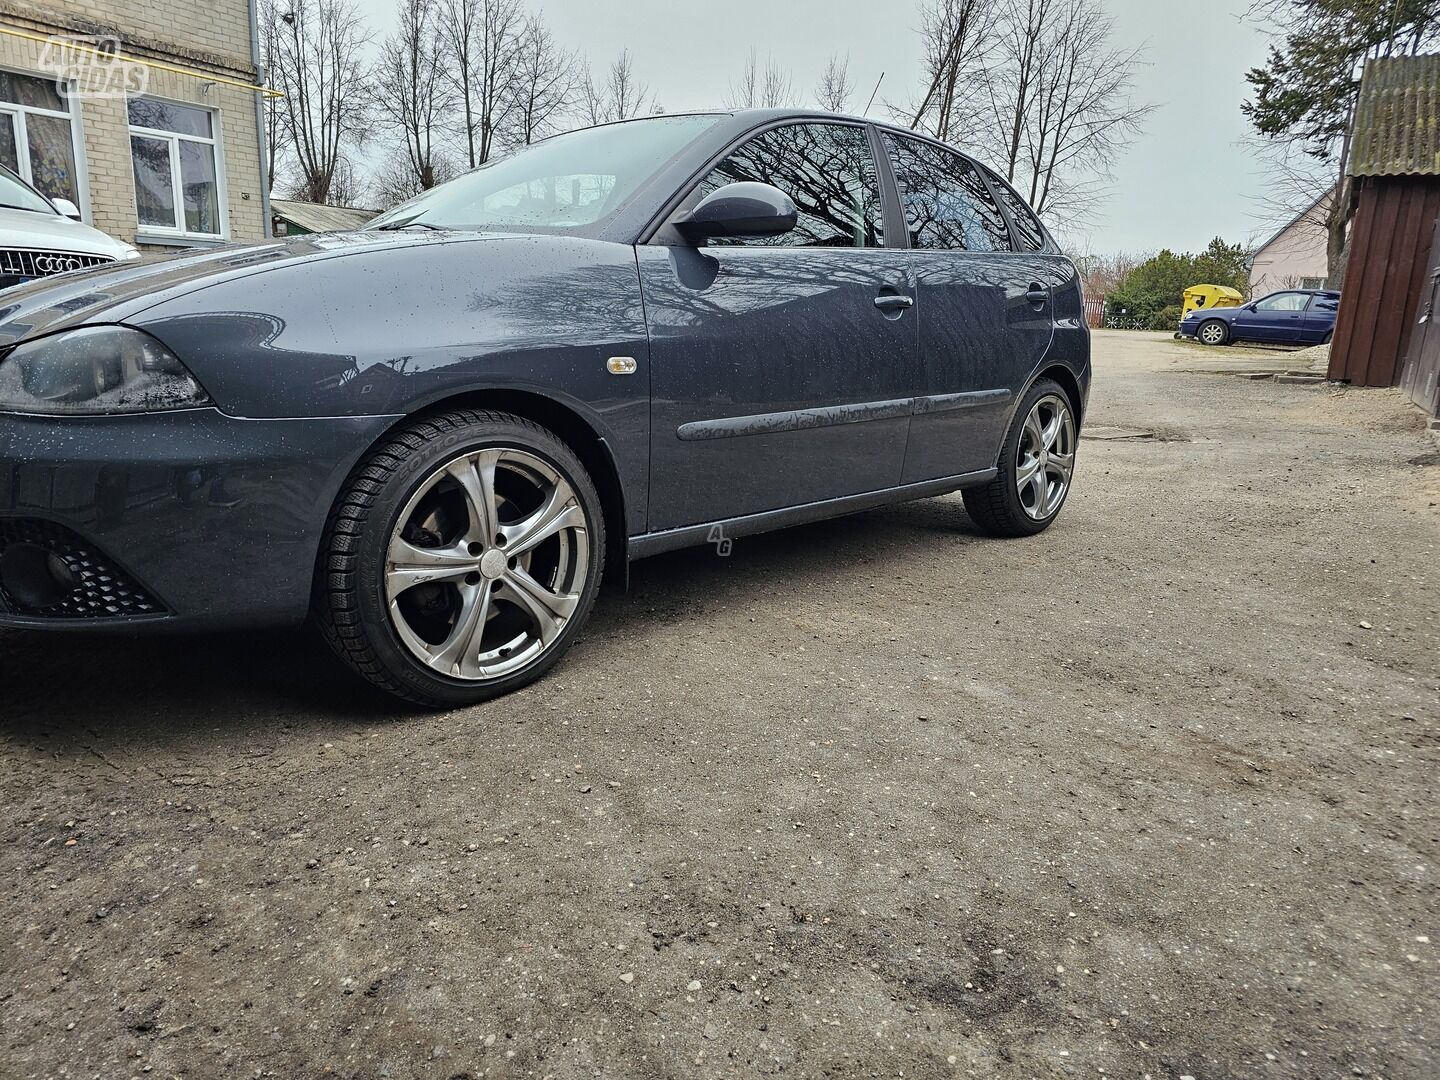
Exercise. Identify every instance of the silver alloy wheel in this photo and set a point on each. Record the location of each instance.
(486, 564)
(1212, 333)
(1046, 457)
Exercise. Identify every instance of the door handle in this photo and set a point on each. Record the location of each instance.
(1038, 294)
(890, 302)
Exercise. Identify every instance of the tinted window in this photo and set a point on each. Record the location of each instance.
(1027, 226)
(946, 204)
(1285, 301)
(829, 172)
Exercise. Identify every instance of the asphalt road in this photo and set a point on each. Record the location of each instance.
(1152, 794)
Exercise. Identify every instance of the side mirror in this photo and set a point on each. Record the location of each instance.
(741, 209)
(67, 208)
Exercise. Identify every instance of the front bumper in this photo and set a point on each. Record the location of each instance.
(178, 520)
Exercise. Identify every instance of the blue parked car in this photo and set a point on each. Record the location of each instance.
(1292, 317)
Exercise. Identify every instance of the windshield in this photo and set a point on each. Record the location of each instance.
(564, 184)
(15, 195)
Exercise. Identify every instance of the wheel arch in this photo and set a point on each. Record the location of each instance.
(570, 427)
(1068, 382)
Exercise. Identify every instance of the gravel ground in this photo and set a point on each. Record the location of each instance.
(1152, 794)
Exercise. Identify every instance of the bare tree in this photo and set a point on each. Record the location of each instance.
(958, 36)
(395, 180)
(414, 88)
(347, 186)
(769, 89)
(1061, 95)
(483, 37)
(543, 87)
(832, 92)
(319, 66)
(621, 96)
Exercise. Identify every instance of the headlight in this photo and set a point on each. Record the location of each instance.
(94, 370)
(130, 254)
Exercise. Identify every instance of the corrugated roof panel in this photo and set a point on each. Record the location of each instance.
(317, 217)
(1397, 119)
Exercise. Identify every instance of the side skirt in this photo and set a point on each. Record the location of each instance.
(641, 547)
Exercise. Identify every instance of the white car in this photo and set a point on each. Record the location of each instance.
(40, 237)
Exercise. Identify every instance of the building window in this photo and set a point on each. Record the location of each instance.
(177, 169)
(37, 136)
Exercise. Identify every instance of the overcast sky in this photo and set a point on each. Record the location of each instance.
(1183, 181)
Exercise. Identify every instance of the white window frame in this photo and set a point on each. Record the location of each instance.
(14, 114)
(178, 231)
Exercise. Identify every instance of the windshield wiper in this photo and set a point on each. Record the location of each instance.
(397, 226)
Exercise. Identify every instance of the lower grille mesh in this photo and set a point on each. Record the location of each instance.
(102, 590)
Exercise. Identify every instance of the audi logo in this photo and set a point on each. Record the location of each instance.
(57, 264)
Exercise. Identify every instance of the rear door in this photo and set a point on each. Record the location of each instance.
(984, 303)
(776, 379)
(1278, 317)
(1319, 319)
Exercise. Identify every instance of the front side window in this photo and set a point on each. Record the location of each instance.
(946, 203)
(1028, 233)
(827, 169)
(37, 135)
(173, 152)
(1285, 301)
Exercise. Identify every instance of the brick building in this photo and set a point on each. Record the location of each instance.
(179, 163)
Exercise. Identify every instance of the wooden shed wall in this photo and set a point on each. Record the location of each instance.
(1389, 252)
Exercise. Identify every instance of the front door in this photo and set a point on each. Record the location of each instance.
(1278, 317)
(776, 380)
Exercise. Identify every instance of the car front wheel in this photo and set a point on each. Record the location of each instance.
(1037, 462)
(462, 559)
(1213, 332)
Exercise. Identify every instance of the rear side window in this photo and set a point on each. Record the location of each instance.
(946, 204)
(829, 172)
(1027, 226)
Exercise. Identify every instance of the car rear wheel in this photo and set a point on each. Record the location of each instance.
(1213, 332)
(462, 559)
(1037, 462)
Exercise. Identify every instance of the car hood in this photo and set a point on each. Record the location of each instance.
(118, 291)
(32, 230)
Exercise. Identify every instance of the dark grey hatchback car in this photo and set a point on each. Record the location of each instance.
(433, 435)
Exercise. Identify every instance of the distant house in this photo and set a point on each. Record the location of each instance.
(1295, 257)
(290, 218)
(146, 116)
(1392, 274)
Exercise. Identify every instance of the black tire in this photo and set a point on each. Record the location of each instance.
(1220, 330)
(997, 508)
(350, 605)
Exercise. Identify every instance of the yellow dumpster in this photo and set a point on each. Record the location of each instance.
(1210, 296)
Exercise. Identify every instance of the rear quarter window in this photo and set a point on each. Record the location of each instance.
(1029, 236)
